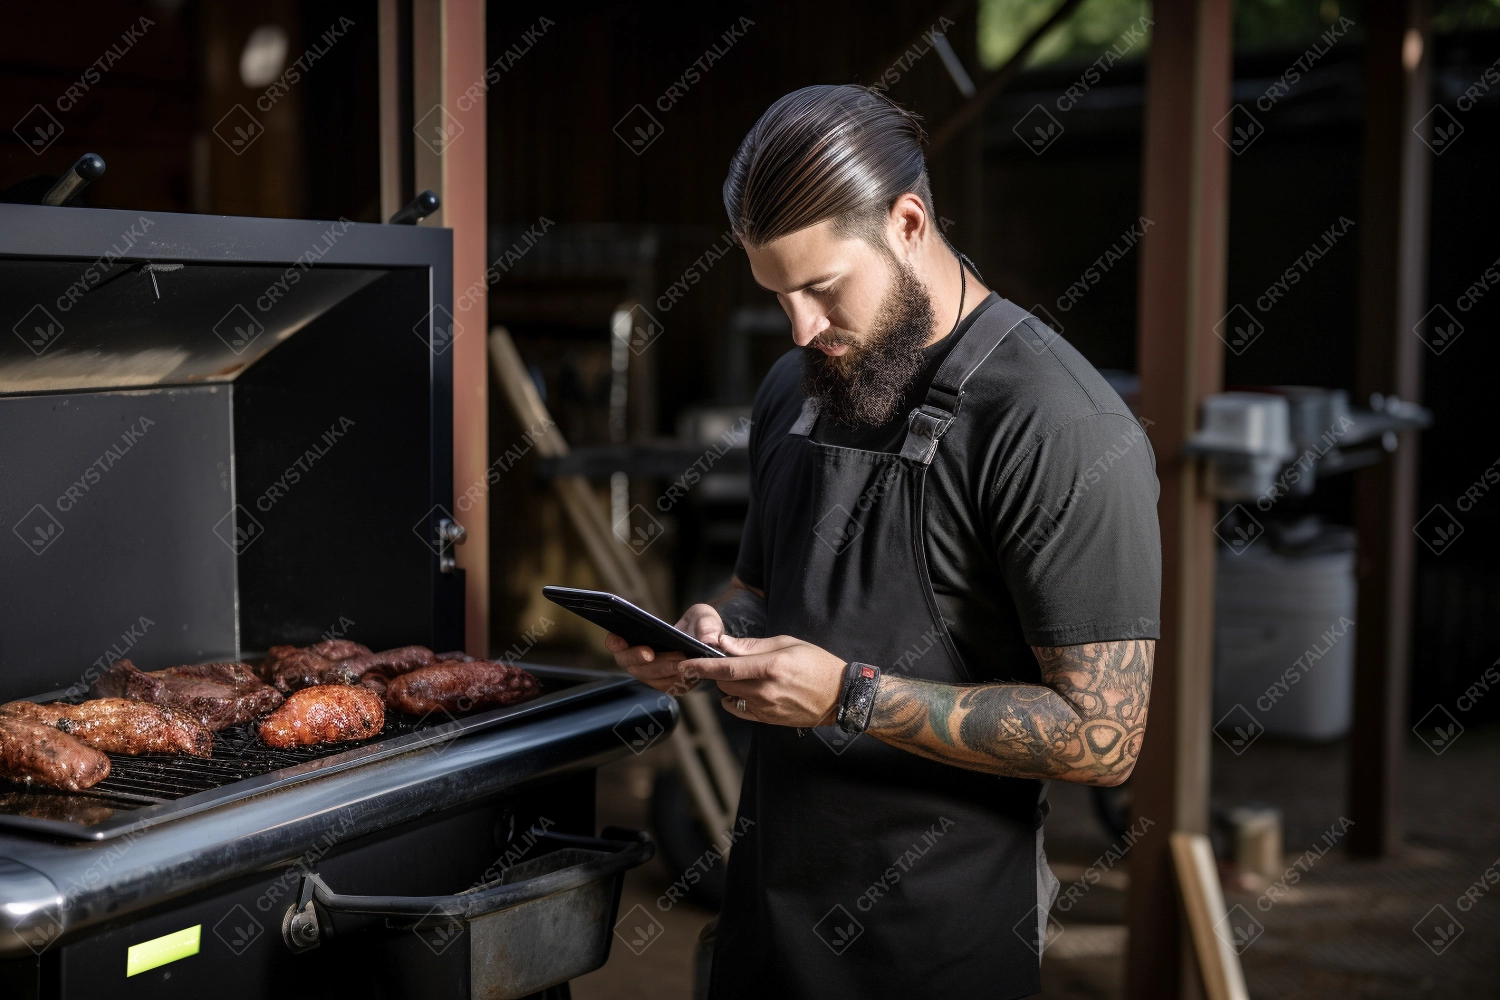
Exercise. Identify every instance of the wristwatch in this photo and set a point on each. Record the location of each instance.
(857, 697)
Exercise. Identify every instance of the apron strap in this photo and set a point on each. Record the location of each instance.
(930, 421)
(808, 417)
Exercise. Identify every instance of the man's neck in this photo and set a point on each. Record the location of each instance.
(948, 290)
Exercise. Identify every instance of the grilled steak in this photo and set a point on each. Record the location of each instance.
(325, 713)
(338, 649)
(31, 752)
(218, 695)
(119, 725)
(454, 686)
(291, 669)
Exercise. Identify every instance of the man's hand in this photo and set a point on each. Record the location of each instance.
(663, 671)
(784, 681)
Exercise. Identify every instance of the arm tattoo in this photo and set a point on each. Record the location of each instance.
(1084, 722)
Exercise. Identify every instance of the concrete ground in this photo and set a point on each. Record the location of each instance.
(1343, 928)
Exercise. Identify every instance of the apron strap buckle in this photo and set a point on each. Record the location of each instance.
(926, 425)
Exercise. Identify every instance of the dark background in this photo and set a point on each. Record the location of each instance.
(627, 226)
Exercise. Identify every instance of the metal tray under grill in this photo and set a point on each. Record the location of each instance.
(144, 791)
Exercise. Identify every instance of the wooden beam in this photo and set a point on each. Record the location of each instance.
(996, 81)
(1203, 902)
(1182, 277)
(395, 49)
(1394, 195)
(448, 64)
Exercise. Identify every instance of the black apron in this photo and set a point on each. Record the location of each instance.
(864, 870)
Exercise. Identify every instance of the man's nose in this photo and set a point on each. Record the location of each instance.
(807, 325)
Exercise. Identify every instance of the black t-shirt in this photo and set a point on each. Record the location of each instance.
(1040, 519)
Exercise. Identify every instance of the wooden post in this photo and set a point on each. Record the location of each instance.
(1182, 275)
(1392, 298)
(448, 86)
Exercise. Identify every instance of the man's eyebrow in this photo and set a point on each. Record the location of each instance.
(816, 281)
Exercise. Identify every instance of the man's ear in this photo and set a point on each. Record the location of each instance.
(908, 224)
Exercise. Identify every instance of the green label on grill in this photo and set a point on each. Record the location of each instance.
(157, 952)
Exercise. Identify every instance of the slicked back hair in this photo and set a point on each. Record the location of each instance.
(844, 153)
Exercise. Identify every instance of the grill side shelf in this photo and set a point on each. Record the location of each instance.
(143, 792)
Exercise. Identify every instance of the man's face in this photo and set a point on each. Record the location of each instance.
(862, 315)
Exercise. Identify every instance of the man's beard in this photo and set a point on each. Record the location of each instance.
(867, 383)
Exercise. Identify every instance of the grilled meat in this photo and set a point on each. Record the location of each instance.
(338, 649)
(218, 695)
(31, 752)
(325, 713)
(120, 725)
(291, 669)
(454, 686)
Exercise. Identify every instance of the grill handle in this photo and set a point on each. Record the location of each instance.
(618, 851)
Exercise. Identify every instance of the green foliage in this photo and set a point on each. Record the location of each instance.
(1258, 24)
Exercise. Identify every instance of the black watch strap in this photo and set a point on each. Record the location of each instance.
(857, 697)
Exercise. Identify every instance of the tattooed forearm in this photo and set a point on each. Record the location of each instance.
(1084, 722)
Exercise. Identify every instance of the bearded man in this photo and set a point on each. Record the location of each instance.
(952, 541)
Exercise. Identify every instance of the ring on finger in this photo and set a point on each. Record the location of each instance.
(740, 706)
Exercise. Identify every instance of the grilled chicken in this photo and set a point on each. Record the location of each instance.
(291, 669)
(31, 752)
(120, 725)
(324, 713)
(217, 695)
(455, 686)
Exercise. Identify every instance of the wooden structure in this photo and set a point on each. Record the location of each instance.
(1392, 297)
(1181, 361)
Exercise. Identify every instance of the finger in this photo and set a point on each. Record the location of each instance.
(728, 668)
(731, 705)
(664, 666)
(636, 654)
(735, 646)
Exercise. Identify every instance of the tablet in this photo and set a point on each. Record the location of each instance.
(637, 627)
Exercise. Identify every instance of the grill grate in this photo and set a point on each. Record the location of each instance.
(140, 790)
